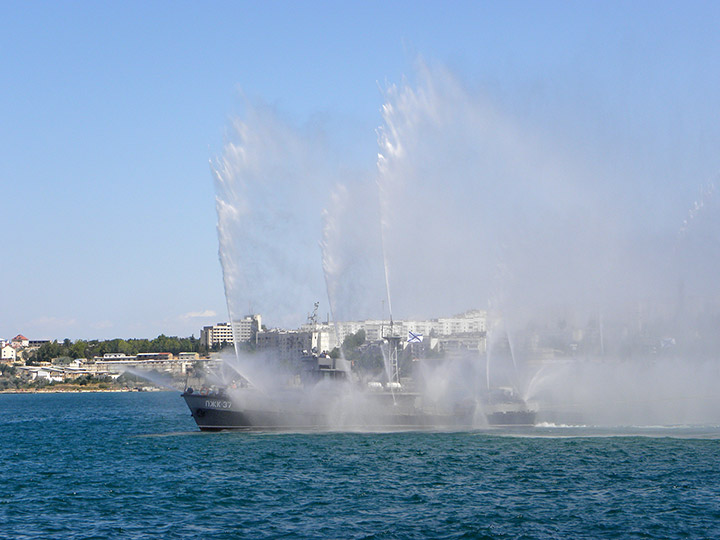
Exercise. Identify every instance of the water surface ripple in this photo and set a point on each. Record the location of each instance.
(84, 466)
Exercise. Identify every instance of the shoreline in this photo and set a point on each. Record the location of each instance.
(78, 390)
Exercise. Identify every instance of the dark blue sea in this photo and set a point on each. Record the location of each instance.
(133, 465)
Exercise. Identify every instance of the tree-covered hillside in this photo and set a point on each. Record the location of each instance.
(89, 349)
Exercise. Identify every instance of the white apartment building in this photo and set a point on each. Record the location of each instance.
(222, 334)
(467, 323)
(218, 334)
(8, 353)
(325, 337)
(289, 345)
(470, 322)
(119, 363)
(345, 328)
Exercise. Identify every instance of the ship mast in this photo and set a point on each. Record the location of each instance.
(313, 317)
(312, 321)
(393, 346)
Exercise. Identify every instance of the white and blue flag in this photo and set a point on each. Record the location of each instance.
(414, 338)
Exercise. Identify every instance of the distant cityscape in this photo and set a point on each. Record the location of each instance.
(465, 331)
(18, 364)
(30, 361)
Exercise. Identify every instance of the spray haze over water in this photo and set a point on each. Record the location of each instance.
(595, 312)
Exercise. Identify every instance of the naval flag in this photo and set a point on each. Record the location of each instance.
(414, 338)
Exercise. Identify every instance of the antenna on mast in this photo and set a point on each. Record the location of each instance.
(313, 317)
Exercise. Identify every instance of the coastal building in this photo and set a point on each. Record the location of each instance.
(324, 337)
(462, 343)
(62, 373)
(8, 353)
(47, 373)
(292, 344)
(245, 329)
(119, 362)
(162, 356)
(114, 357)
(345, 328)
(217, 335)
(224, 334)
(470, 322)
(20, 342)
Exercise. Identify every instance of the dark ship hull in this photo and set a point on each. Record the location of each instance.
(319, 396)
(247, 409)
(519, 418)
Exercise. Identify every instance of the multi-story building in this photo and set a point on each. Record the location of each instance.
(8, 353)
(217, 335)
(471, 322)
(324, 337)
(20, 341)
(467, 342)
(285, 344)
(163, 356)
(245, 329)
(345, 328)
(292, 344)
(223, 334)
(119, 362)
(115, 357)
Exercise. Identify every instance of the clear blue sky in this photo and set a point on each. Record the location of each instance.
(111, 111)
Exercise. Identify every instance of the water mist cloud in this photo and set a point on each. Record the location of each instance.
(478, 208)
(271, 183)
(470, 208)
(469, 199)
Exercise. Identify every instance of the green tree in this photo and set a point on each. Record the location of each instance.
(353, 341)
(46, 352)
(7, 371)
(79, 349)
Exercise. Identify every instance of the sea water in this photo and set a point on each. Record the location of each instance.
(134, 465)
